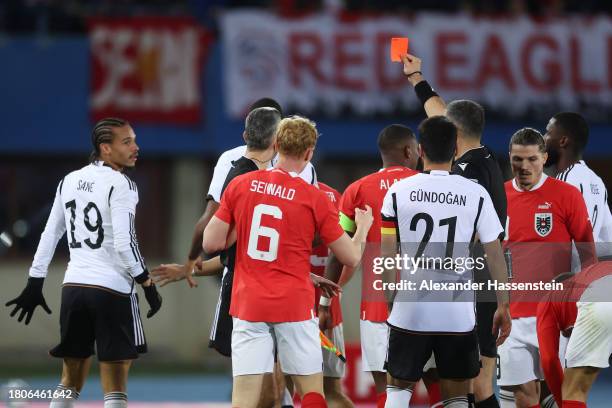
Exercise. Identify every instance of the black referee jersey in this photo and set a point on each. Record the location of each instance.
(221, 332)
(479, 165)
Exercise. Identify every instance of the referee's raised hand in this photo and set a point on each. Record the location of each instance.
(29, 299)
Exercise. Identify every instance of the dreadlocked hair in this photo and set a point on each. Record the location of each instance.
(103, 133)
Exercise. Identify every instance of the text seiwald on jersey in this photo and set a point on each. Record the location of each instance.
(457, 271)
(276, 190)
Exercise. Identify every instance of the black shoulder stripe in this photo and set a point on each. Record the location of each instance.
(581, 189)
(61, 184)
(131, 184)
(110, 193)
(394, 198)
(567, 172)
(480, 203)
(313, 179)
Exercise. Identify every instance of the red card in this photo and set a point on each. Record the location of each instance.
(399, 46)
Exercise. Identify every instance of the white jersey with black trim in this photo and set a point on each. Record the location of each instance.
(595, 197)
(96, 206)
(224, 165)
(437, 215)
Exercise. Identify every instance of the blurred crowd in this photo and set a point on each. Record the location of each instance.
(70, 16)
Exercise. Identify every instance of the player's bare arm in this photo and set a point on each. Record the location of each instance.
(328, 288)
(433, 105)
(217, 236)
(388, 249)
(347, 250)
(189, 267)
(168, 273)
(502, 323)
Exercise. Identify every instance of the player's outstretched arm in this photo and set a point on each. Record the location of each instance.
(502, 323)
(196, 241)
(347, 250)
(28, 300)
(388, 250)
(32, 295)
(434, 105)
(168, 273)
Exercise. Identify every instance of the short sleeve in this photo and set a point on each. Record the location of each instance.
(222, 169)
(347, 208)
(225, 210)
(326, 216)
(488, 226)
(388, 213)
(577, 217)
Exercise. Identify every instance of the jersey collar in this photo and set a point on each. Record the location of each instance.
(437, 172)
(291, 173)
(537, 185)
(392, 168)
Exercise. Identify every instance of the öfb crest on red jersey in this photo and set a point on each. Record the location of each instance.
(543, 223)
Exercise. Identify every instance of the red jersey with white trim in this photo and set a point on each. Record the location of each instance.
(370, 190)
(558, 314)
(276, 215)
(541, 224)
(318, 259)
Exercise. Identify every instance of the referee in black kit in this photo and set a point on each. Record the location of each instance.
(477, 163)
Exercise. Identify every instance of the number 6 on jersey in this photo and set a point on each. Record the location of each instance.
(257, 230)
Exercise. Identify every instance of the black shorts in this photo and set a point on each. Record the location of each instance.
(221, 331)
(484, 327)
(456, 354)
(97, 315)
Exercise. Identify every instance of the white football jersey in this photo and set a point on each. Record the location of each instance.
(96, 207)
(438, 215)
(224, 165)
(595, 196)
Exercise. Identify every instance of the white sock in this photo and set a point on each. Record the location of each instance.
(506, 399)
(65, 397)
(456, 402)
(115, 400)
(287, 400)
(397, 397)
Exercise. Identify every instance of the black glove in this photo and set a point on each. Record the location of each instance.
(30, 297)
(154, 299)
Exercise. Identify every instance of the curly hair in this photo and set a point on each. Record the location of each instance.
(295, 135)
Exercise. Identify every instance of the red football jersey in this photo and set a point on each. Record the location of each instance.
(540, 227)
(276, 215)
(558, 313)
(370, 190)
(318, 259)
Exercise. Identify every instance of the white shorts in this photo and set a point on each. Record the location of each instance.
(590, 344)
(519, 356)
(332, 365)
(374, 344)
(297, 345)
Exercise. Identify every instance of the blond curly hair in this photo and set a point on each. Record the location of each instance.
(295, 135)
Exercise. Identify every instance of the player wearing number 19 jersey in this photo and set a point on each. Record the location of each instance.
(96, 206)
(273, 216)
